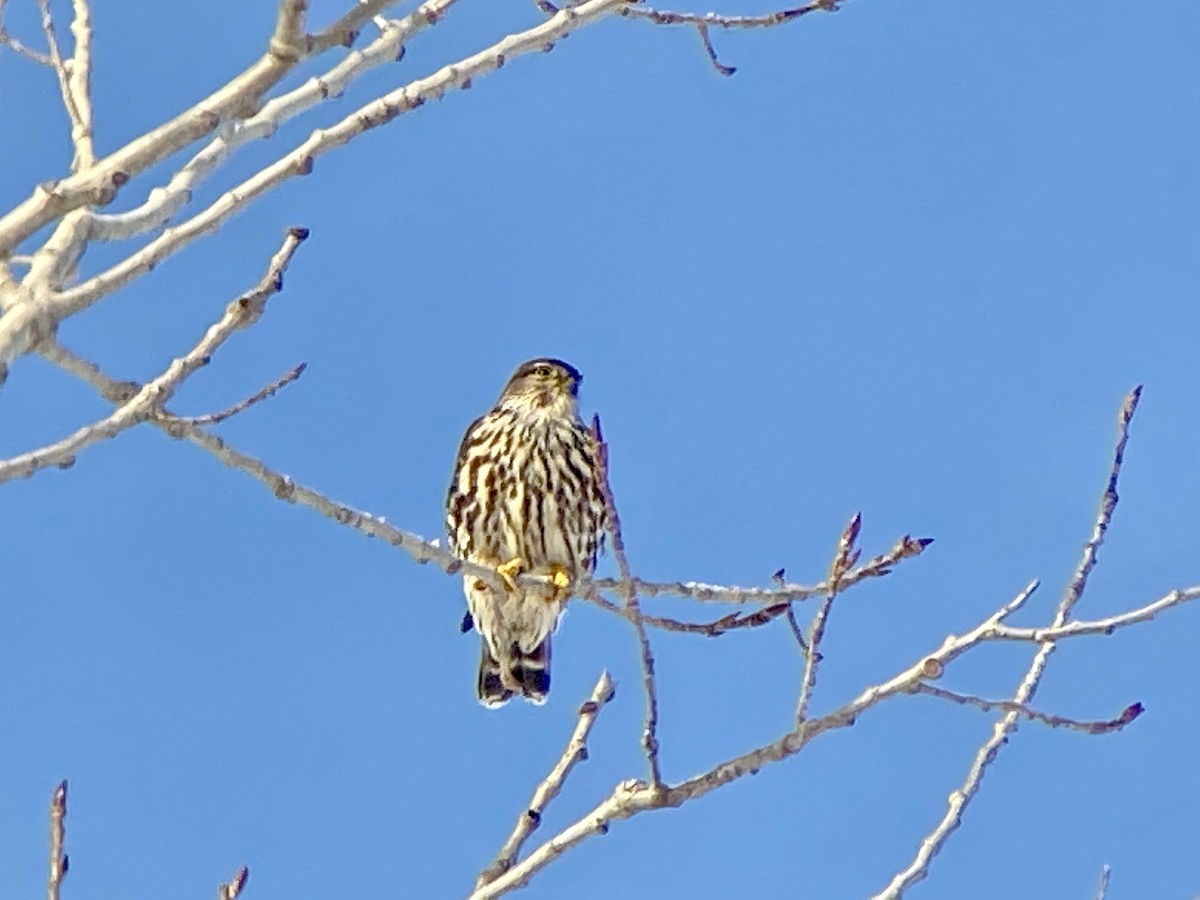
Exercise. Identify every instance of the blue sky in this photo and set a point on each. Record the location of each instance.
(907, 261)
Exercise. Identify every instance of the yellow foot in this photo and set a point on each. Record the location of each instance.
(510, 570)
(561, 580)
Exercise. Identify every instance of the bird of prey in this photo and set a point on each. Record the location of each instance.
(525, 498)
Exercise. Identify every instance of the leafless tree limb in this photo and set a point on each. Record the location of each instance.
(627, 590)
(79, 86)
(265, 393)
(58, 838)
(56, 61)
(933, 843)
(716, 20)
(164, 201)
(847, 555)
(1102, 887)
(576, 752)
(7, 40)
(232, 889)
(1103, 726)
(243, 311)
(733, 621)
(99, 183)
(632, 797)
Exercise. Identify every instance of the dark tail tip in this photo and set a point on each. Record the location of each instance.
(529, 673)
(490, 688)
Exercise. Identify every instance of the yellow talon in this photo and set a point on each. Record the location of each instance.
(510, 570)
(561, 580)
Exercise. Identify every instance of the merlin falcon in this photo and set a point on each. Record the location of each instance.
(525, 499)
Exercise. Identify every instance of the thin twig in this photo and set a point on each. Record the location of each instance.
(98, 184)
(232, 889)
(29, 53)
(797, 631)
(905, 548)
(264, 394)
(165, 201)
(300, 160)
(56, 61)
(1102, 726)
(243, 311)
(1102, 887)
(732, 622)
(721, 68)
(650, 732)
(1081, 628)
(962, 796)
(716, 20)
(843, 561)
(79, 87)
(58, 839)
(631, 798)
(576, 752)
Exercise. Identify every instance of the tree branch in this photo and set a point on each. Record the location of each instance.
(232, 889)
(650, 731)
(265, 393)
(300, 160)
(243, 311)
(166, 200)
(961, 798)
(98, 184)
(575, 753)
(1103, 726)
(58, 838)
(847, 555)
(79, 87)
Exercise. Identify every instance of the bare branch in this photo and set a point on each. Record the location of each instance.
(961, 797)
(98, 184)
(300, 160)
(1082, 628)
(575, 752)
(731, 622)
(1103, 726)
(163, 202)
(650, 732)
(847, 555)
(56, 62)
(264, 394)
(722, 69)
(243, 311)
(232, 889)
(716, 20)
(877, 567)
(58, 839)
(631, 798)
(1102, 887)
(79, 87)
(797, 631)
(7, 40)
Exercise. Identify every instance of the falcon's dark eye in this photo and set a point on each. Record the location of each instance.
(543, 371)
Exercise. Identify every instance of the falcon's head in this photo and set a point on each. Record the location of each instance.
(543, 385)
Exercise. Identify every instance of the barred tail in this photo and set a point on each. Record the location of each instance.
(528, 674)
